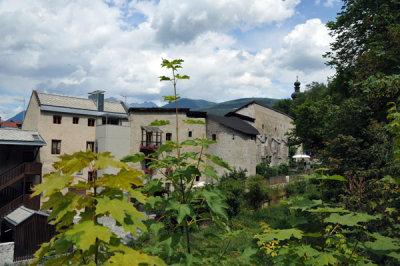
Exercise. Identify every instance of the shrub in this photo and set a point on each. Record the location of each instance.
(257, 191)
(232, 186)
(284, 168)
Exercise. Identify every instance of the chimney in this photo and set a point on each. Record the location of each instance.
(98, 98)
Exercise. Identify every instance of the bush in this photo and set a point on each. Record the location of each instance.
(232, 185)
(257, 191)
(284, 168)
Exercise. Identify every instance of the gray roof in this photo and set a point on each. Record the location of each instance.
(152, 129)
(235, 123)
(20, 214)
(14, 136)
(78, 103)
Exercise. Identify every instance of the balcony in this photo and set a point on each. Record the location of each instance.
(149, 146)
(18, 172)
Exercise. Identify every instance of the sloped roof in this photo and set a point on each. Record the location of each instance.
(77, 103)
(21, 214)
(263, 105)
(11, 136)
(235, 123)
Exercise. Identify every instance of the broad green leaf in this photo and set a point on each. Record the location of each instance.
(124, 255)
(307, 251)
(139, 196)
(159, 123)
(215, 202)
(382, 243)
(328, 209)
(84, 234)
(395, 255)
(164, 78)
(325, 259)
(105, 160)
(194, 122)
(123, 180)
(218, 161)
(305, 204)
(189, 142)
(137, 157)
(182, 77)
(211, 173)
(351, 219)
(171, 98)
(280, 234)
(155, 227)
(53, 183)
(119, 209)
(182, 209)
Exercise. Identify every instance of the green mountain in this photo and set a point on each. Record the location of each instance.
(229, 106)
(189, 103)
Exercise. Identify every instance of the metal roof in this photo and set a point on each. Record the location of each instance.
(11, 136)
(235, 123)
(82, 112)
(78, 103)
(152, 129)
(21, 214)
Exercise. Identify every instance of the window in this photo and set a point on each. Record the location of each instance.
(168, 136)
(75, 120)
(56, 119)
(92, 176)
(90, 145)
(109, 121)
(197, 178)
(214, 137)
(90, 122)
(190, 134)
(55, 146)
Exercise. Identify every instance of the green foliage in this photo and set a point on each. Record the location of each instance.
(185, 208)
(233, 185)
(337, 235)
(93, 243)
(257, 191)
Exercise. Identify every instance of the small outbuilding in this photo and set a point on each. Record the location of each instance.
(28, 229)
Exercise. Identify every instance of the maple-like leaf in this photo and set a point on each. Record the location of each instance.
(123, 180)
(127, 256)
(123, 212)
(84, 234)
(52, 183)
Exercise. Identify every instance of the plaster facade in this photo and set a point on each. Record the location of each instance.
(140, 117)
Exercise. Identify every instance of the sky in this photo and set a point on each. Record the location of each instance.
(231, 48)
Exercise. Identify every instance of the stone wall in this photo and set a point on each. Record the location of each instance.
(6, 253)
(236, 148)
(272, 125)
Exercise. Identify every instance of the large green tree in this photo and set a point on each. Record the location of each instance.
(344, 122)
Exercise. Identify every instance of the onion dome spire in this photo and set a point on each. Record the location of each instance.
(296, 88)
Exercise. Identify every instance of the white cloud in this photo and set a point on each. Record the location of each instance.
(183, 22)
(74, 47)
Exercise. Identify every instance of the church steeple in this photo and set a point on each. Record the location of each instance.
(296, 88)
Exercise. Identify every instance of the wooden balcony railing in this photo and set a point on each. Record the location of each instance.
(25, 199)
(18, 172)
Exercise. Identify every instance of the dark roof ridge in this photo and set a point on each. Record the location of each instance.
(158, 109)
(263, 105)
(235, 123)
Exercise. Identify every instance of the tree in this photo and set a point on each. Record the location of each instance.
(81, 238)
(185, 208)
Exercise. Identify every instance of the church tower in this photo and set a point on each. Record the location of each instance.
(296, 88)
